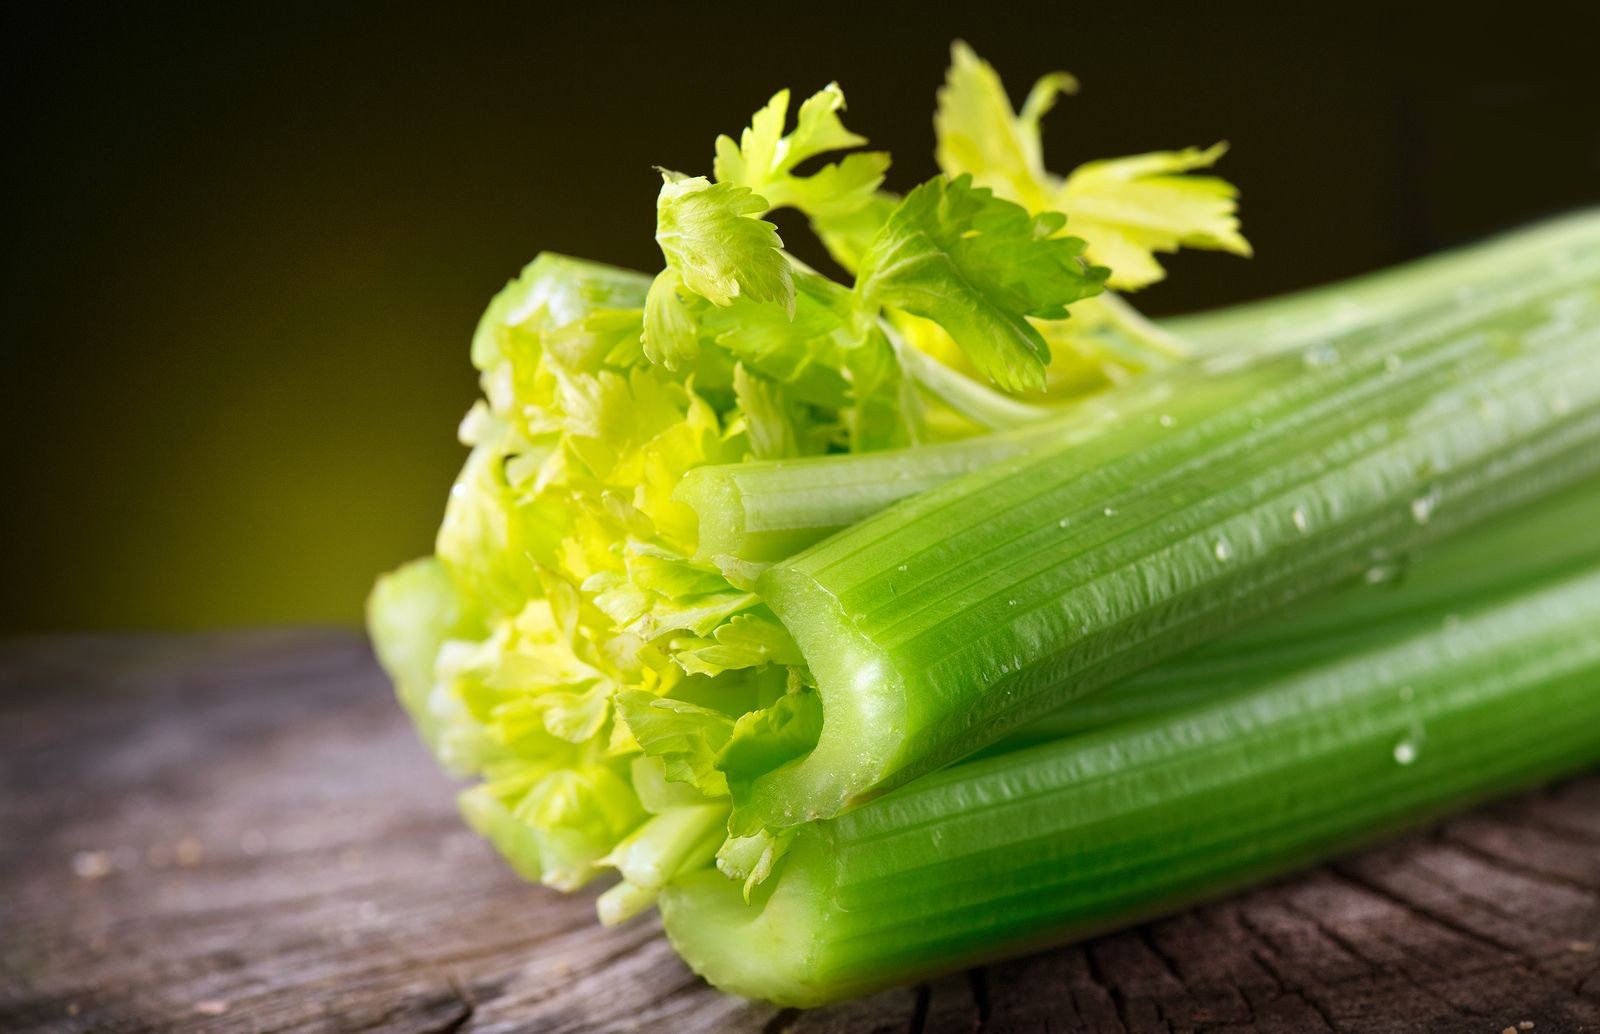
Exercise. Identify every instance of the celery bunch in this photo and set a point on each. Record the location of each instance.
(740, 549)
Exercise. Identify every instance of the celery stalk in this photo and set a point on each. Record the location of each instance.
(994, 857)
(1529, 547)
(767, 510)
(763, 511)
(1209, 497)
(1309, 316)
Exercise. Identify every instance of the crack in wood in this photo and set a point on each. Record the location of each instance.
(782, 1022)
(457, 1024)
(1265, 956)
(1355, 951)
(1118, 1003)
(1432, 914)
(919, 1008)
(978, 982)
(1556, 830)
(469, 1008)
(1495, 860)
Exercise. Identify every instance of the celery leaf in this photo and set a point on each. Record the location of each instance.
(1126, 209)
(979, 266)
(764, 158)
(710, 234)
(1130, 208)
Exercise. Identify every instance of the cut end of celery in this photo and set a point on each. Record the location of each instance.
(622, 902)
(768, 949)
(726, 526)
(863, 713)
(719, 508)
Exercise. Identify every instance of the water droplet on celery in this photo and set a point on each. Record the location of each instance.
(1011, 603)
(1110, 511)
(1423, 506)
(1166, 420)
(1409, 748)
(1222, 550)
(1319, 356)
(1063, 522)
(1302, 523)
(902, 567)
(1383, 569)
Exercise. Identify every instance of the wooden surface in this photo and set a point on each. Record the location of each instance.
(239, 833)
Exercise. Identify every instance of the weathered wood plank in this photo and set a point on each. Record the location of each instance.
(238, 833)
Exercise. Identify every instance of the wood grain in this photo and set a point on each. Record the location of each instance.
(238, 833)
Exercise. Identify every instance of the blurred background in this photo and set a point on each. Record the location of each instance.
(248, 248)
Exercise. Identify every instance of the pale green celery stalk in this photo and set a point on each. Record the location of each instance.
(1307, 317)
(939, 625)
(984, 406)
(1507, 554)
(995, 857)
(763, 511)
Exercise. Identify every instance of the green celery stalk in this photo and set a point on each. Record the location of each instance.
(768, 510)
(762, 511)
(1309, 316)
(998, 856)
(1204, 498)
(1510, 553)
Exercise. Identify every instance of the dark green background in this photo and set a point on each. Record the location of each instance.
(247, 251)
